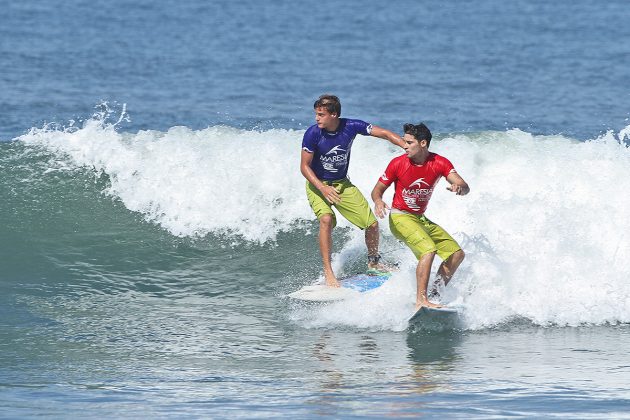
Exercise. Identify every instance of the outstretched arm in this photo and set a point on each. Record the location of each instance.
(458, 185)
(377, 197)
(329, 192)
(387, 135)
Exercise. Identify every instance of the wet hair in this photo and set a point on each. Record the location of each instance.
(330, 102)
(418, 131)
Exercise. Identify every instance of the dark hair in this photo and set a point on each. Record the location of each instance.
(330, 102)
(419, 132)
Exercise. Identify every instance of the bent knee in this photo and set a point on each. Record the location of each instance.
(459, 255)
(326, 219)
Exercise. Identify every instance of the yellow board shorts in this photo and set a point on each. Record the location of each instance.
(422, 235)
(353, 205)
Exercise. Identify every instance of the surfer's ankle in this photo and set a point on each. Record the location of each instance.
(331, 280)
(375, 263)
(373, 260)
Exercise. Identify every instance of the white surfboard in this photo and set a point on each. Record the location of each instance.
(351, 287)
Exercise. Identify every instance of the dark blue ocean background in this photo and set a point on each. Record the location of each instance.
(153, 217)
(543, 67)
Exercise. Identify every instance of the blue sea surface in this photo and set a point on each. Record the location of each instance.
(544, 67)
(153, 216)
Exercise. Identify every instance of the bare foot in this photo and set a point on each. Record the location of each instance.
(427, 304)
(331, 280)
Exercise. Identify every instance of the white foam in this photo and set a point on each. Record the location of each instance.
(544, 228)
(219, 179)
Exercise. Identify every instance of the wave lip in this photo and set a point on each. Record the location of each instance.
(220, 179)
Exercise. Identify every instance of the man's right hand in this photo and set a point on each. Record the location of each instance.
(330, 193)
(379, 208)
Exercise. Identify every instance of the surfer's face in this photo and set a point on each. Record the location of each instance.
(325, 120)
(413, 147)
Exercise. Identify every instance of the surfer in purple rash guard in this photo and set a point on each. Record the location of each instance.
(324, 163)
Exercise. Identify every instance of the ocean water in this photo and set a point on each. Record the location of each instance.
(154, 217)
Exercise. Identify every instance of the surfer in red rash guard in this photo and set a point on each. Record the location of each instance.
(415, 174)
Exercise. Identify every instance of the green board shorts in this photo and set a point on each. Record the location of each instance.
(353, 205)
(422, 235)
